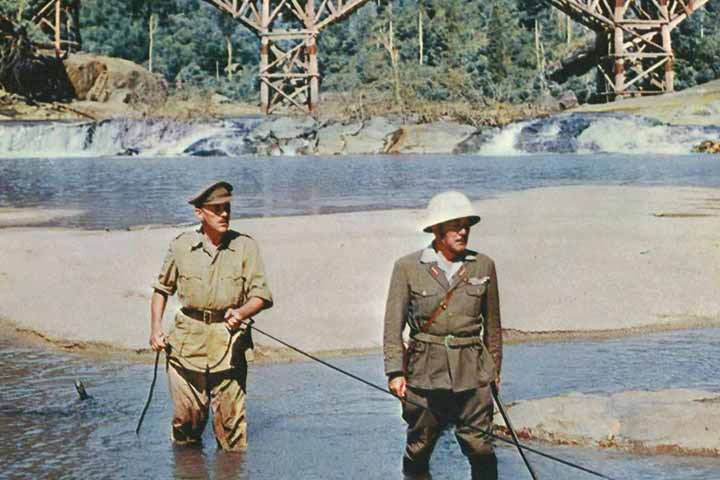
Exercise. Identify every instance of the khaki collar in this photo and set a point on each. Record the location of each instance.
(430, 255)
(199, 241)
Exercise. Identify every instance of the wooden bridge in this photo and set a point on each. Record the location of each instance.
(637, 39)
(635, 33)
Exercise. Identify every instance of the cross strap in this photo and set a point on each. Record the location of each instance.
(463, 276)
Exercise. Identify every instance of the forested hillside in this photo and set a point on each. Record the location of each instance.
(462, 50)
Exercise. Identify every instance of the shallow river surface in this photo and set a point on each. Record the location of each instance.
(117, 192)
(308, 422)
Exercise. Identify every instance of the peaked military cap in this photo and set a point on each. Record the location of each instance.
(214, 194)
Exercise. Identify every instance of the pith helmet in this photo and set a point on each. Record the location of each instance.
(447, 206)
(214, 194)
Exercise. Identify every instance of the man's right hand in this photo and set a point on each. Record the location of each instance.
(158, 341)
(398, 386)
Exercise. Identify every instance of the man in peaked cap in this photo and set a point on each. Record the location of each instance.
(219, 277)
(448, 297)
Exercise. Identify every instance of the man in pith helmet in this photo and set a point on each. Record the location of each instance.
(447, 295)
(219, 277)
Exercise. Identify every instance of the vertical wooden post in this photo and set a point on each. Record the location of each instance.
(669, 82)
(313, 69)
(264, 57)
(619, 48)
(421, 42)
(58, 9)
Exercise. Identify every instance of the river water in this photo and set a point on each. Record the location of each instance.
(308, 422)
(117, 192)
(305, 421)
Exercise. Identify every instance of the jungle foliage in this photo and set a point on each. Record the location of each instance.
(455, 50)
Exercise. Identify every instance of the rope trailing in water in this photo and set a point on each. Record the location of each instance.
(384, 390)
(150, 395)
(496, 397)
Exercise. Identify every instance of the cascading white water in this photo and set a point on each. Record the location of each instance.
(568, 133)
(112, 137)
(627, 136)
(596, 133)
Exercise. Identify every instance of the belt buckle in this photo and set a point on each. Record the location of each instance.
(447, 339)
(207, 316)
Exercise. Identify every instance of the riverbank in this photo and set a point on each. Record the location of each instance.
(572, 262)
(681, 422)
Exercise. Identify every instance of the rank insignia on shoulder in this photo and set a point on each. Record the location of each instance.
(478, 280)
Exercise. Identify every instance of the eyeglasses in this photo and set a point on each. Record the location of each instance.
(217, 209)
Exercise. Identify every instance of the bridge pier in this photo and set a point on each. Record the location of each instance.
(640, 42)
(288, 30)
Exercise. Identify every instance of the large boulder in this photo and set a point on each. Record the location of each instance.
(707, 146)
(437, 137)
(374, 137)
(104, 79)
(283, 136)
(332, 139)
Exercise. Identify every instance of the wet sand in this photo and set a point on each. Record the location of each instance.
(573, 262)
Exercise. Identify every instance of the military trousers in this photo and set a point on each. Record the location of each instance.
(195, 393)
(429, 412)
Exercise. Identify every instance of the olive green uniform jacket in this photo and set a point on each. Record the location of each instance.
(417, 287)
(212, 281)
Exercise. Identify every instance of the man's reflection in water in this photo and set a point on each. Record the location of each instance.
(230, 465)
(195, 462)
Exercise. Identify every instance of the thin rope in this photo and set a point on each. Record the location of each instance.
(385, 390)
(150, 395)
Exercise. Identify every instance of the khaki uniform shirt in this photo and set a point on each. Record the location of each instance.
(207, 279)
(474, 309)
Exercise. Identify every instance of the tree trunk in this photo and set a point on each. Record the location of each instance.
(421, 45)
(152, 27)
(229, 57)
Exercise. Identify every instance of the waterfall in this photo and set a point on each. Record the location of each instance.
(596, 133)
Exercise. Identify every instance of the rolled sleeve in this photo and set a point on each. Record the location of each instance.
(395, 317)
(167, 279)
(254, 272)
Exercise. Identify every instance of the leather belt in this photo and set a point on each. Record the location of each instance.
(450, 341)
(205, 316)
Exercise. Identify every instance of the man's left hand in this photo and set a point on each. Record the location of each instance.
(234, 320)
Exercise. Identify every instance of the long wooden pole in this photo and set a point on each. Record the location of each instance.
(312, 51)
(264, 57)
(669, 83)
(619, 48)
(58, 9)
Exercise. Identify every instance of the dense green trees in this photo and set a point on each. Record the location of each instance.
(430, 49)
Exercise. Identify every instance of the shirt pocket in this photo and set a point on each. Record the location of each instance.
(231, 291)
(473, 296)
(423, 301)
(191, 288)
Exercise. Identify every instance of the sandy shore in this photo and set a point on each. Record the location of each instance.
(571, 261)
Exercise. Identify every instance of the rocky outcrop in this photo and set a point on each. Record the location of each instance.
(374, 137)
(104, 79)
(284, 136)
(332, 139)
(438, 137)
(708, 146)
(669, 421)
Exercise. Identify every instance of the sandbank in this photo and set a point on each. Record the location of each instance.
(596, 261)
(675, 421)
